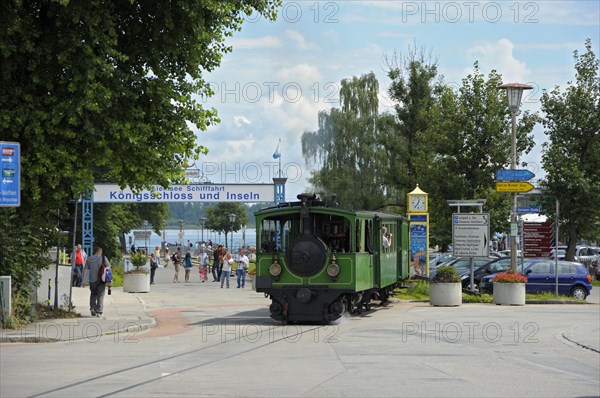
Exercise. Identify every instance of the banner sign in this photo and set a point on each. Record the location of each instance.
(10, 185)
(245, 193)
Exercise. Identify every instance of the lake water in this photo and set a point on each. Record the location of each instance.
(172, 236)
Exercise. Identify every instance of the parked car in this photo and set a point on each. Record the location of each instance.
(506, 253)
(490, 268)
(440, 259)
(587, 256)
(462, 264)
(561, 253)
(573, 278)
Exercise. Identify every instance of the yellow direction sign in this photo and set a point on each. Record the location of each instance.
(515, 187)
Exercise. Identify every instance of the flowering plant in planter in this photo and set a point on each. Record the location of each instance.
(509, 277)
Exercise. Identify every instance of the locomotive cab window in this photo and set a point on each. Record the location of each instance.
(277, 233)
(334, 231)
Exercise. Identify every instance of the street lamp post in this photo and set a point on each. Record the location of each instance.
(181, 231)
(514, 92)
(232, 218)
(146, 235)
(202, 219)
(244, 235)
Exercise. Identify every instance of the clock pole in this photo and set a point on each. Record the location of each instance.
(418, 215)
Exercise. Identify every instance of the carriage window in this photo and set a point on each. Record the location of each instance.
(387, 232)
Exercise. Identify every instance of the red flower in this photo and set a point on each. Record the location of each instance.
(509, 277)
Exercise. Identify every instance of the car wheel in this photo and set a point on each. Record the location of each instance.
(579, 292)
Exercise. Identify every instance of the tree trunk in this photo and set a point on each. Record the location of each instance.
(122, 242)
(571, 241)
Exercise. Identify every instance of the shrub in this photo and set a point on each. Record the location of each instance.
(446, 274)
(139, 259)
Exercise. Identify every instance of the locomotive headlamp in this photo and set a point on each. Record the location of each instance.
(333, 269)
(275, 269)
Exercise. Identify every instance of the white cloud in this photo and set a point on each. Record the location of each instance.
(499, 56)
(257, 42)
(303, 73)
(299, 40)
(241, 120)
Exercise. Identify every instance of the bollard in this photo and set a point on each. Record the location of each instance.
(49, 290)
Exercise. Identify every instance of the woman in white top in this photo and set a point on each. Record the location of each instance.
(226, 271)
(204, 262)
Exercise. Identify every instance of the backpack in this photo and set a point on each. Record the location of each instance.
(174, 257)
(105, 274)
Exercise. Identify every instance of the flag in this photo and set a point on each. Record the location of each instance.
(277, 153)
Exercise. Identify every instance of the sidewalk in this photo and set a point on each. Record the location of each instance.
(122, 312)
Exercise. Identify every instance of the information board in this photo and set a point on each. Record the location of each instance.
(470, 234)
(10, 185)
(538, 239)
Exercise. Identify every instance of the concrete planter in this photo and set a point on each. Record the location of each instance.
(445, 294)
(509, 293)
(136, 283)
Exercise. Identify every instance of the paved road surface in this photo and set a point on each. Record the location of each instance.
(220, 342)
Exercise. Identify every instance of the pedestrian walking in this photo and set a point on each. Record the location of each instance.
(153, 267)
(217, 258)
(226, 270)
(97, 287)
(188, 266)
(177, 260)
(167, 257)
(157, 254)
(78, 259)
(203, 267)
(242, 267)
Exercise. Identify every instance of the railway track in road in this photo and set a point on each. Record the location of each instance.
(129, 378)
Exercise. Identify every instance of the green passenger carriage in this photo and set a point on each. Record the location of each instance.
(316, 261)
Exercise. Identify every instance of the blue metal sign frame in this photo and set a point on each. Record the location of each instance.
(10, 184)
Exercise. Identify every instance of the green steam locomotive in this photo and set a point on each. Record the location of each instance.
(316, 261)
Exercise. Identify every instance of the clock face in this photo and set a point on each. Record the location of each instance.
(417, 203)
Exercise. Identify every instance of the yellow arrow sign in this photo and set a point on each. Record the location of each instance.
(519, 186)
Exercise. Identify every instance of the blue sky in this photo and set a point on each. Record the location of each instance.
(281, 74)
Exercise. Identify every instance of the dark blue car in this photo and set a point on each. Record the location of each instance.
(573, 278)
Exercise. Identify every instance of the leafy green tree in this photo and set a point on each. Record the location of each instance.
(470, 131)
(105, 91)
(113, 221)
(413, 88)
(571, 157)
(348, 144)
(217, 217)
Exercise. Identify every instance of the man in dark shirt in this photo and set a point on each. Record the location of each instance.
(97, 287)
